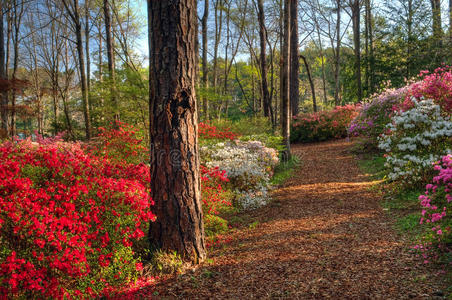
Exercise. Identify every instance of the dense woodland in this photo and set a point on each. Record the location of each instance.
(75, 66)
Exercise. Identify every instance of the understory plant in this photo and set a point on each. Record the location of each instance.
(68, 221)
(374, 115)
(248, 165)
(323, 125)
(436, 205)
(414, 140)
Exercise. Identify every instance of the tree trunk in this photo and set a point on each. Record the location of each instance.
(337, 60)
(450, 22)
(75, 16)
(311, 83)
(4, 112)
(88, 58)
(355, 6)
(205, 79)
(111, 60)
(436, 15)
(371, 49)
(285, 112)
(294, 58)
(263, 59)
(175, 184)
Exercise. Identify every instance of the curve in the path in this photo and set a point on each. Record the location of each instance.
(323, 236)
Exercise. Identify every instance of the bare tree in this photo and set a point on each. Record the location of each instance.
(294, 58)
(285, 79)
(73, 10)
(205, 78)
(110, 58)
(266, 100)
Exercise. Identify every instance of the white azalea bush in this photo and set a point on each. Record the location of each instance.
(415, 140)
(249, 166)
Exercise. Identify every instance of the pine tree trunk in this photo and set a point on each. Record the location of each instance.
(175, 184)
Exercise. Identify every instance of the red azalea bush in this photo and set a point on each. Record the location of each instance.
(323, 125)
(119, 142)
(436, 205)
(68, 220)
(209, 132)
(212, 181)
(436, 86)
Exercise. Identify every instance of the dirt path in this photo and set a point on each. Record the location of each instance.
(324, 236)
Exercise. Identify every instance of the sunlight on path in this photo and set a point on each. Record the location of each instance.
(323, 236)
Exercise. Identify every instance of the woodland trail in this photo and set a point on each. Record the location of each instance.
(323, 236)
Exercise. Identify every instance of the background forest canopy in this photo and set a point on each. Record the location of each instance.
(77, 65)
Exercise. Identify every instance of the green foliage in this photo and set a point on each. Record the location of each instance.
(166, 262)
(285, 170)
(214, 225)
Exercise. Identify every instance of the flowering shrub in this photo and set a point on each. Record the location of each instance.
(212, 181)
(248, 165)
(436, 86)
(436, 205)
(119, 142)
(322, 125)
(209, 132)
(68, 220)
(414, 140)
(376, 114)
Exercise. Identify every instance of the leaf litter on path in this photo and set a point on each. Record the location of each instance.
(328, 238)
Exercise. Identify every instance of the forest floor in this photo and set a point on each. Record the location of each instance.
(324, 235)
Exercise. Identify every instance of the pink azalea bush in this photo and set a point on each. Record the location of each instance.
(323, 125)
(375, 114)
(436, 205)
(436, 86)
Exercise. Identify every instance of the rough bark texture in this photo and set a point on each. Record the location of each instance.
(285, 105)
(294, 58)
(205, 78)
(263, 59)
(175, 181)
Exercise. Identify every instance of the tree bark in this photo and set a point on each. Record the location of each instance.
(356, 16)
(436, 15)
(111, 60)
(337, 59)
(450, 22)
(205, 78)
(175, 184)
(263, 59)
(311, 83)
(294, 58)
(74, 14)
(285, 111)
(4, 112)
